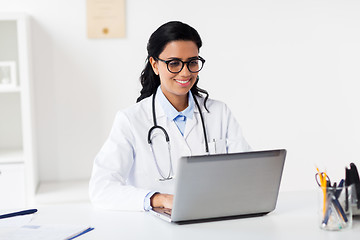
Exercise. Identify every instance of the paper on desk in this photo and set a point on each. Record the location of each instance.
(17, 221)
(43, 232)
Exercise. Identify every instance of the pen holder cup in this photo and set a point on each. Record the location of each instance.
(335, 212)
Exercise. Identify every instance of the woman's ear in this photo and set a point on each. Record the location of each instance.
(154, 65)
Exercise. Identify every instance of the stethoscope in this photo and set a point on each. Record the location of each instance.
(170, 174)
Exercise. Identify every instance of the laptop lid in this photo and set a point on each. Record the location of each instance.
(227, 185)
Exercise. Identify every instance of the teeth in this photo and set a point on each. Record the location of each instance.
(182, 81)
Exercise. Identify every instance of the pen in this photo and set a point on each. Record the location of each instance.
(336, 215)
(20, 213)
(339, 190)
(333, 191)
(327, 215)
(338, 207)
(81, 233)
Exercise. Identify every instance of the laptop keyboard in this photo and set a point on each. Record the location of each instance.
(168, 212)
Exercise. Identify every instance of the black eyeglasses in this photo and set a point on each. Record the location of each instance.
(176, 65)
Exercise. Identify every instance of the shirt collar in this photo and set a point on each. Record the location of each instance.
(169, 109)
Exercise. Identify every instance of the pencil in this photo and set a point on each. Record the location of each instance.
(324, 186)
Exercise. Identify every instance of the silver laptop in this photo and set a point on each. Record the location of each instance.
(225, 186)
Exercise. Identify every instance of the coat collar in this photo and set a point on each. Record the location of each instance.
(161, 116)
(169, 109)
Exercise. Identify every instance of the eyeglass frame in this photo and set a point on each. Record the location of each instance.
(183, 63)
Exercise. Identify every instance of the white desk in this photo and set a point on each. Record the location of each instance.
(294, 218)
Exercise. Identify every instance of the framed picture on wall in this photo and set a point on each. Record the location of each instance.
(7, 74)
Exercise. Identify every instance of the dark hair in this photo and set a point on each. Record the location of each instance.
(171, 31)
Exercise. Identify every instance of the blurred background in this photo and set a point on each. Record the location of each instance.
(288, 70)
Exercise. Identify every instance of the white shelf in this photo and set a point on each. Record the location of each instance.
(9, 89)
(11, 156)
(17, 130)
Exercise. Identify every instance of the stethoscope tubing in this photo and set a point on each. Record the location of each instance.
(168, 139)
(203, 125)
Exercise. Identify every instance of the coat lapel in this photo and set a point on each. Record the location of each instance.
(190, 124)
(196, 119)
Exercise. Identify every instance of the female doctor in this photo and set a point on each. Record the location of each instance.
(135, 169)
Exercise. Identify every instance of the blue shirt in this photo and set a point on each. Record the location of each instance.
(172, 114)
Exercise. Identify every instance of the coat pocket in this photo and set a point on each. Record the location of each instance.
(217, 146)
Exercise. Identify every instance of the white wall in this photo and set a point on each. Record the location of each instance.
(287, 69)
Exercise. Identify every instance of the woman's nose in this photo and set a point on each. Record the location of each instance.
(185, 71)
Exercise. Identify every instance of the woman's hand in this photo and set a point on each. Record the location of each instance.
(162, 200)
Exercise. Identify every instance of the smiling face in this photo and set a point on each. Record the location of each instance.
(176, 86)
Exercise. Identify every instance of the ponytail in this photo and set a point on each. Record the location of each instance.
(149, 81)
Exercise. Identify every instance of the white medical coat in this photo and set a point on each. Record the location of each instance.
(124, 170)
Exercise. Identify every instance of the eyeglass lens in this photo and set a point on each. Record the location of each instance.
(175, 66)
